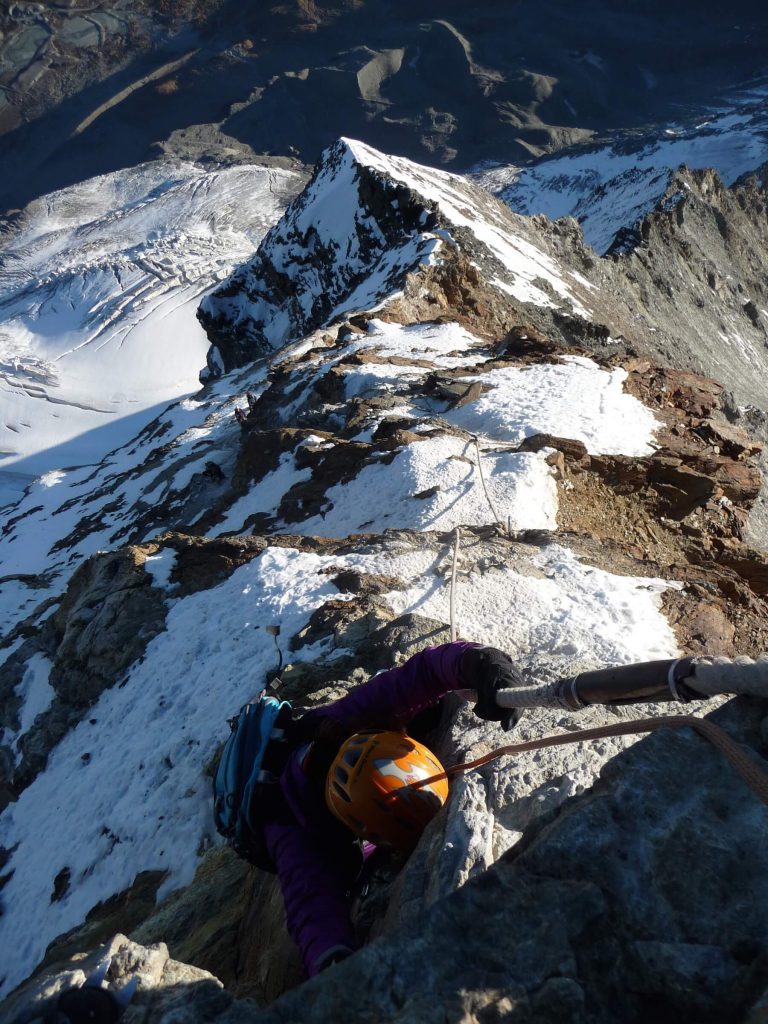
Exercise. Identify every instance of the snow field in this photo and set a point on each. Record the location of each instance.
(445, 344)
(521, 487)
(616, 186)
(139, 800)
(36, 694)
(125, 787)
(264, 496)
(128, 479)
(98, 326)
(576, 400)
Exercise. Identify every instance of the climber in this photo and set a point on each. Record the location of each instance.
(315, 854)
(343, 769)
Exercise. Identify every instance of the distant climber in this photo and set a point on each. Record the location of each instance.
(251, 399)
(241, 416)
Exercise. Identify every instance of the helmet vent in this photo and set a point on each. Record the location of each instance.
(340, 791)
(351, 757)
(341, 774)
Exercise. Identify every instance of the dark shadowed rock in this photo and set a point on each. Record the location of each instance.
(109, 614)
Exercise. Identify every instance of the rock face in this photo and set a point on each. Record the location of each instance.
(167, 990)
(688, 294)
(611, 186)
(699, 256)
(596, 916)
(104, 623)
(92, 91)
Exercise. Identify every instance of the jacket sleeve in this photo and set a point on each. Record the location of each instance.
(392, 698)
(314, 893)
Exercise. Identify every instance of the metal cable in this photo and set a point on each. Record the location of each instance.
(494, 513)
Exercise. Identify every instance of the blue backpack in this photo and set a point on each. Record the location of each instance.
(246, 783)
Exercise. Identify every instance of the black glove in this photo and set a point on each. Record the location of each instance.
(488, 670)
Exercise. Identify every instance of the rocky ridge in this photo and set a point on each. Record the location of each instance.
(316, 490)
(699, 252)
(611, 186)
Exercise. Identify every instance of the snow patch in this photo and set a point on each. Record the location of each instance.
(575, 399)
(610, 187)
(434, 485)
(156, 731)
(35, 692)
(160, 567)
(98, 326)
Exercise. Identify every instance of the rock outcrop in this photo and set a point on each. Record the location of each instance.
(599, 914)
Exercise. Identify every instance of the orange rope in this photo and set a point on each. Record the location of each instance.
(755, 776)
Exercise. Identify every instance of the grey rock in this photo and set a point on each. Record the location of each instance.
(168, 991)
(441, 84)
(108, 615)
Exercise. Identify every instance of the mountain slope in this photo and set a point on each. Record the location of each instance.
(93, 91)
(612, 187)
(361, 225)
(302, 509)
(101, 283)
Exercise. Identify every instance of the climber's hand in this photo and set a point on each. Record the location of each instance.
(488, 670)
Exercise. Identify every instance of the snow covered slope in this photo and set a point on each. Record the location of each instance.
(163, 722)
(363, 222)
(610, 187)
(98, 295)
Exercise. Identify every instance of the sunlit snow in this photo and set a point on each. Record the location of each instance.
(614, 186)
(98, 301)
(125, 787)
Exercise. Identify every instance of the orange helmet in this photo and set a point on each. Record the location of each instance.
(367, 788)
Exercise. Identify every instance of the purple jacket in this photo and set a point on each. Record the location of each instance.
(313, 882)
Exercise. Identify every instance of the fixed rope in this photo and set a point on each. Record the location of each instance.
(491, 506)
(742, 675)
(452, 598)
(754, 776)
